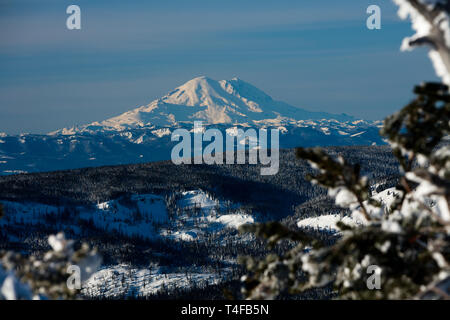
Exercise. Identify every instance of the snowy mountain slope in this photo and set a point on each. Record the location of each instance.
(190, 217)
(144, 134)
(328, 222)
(126, 281)
(146, 216)
(201, 215)
(213, 102)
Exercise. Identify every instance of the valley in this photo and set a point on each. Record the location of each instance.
(167, 231)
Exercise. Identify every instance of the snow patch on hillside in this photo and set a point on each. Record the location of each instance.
(198, 199)
(161, 132)
(328, 222)
(202, 215)
(125, 281)
(233, 221)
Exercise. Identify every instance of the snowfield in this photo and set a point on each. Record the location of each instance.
(203, 215)
(233, 221)
(125, 281)
(328, 223)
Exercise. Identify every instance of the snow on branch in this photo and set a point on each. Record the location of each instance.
(431, 22)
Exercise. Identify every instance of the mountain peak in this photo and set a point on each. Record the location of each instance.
(204, 91)
(213, 102)
(197, 91)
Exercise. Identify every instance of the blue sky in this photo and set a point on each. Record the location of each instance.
(317, 55)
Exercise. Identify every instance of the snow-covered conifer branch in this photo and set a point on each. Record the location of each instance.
(431, 22)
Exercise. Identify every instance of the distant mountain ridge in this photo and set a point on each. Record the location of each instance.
(143, 134)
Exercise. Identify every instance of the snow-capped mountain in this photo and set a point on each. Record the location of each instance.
(144, 133)
(213, 102)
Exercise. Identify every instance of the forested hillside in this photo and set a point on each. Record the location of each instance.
(240, 183)
(167, 231)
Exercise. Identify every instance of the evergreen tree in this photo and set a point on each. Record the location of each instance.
(399, 252)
